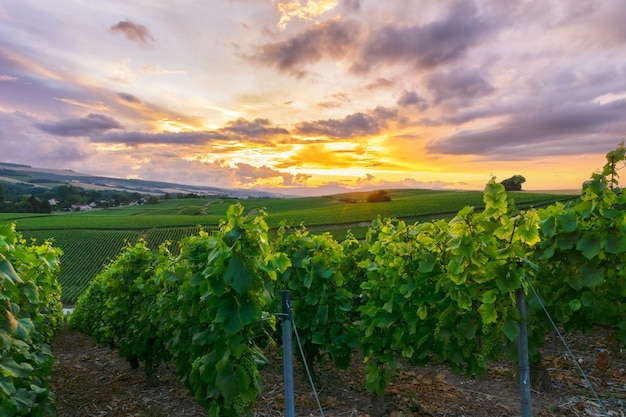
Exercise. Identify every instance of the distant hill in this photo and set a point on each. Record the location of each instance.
(25, 175)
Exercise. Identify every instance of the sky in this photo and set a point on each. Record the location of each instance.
(308, 97)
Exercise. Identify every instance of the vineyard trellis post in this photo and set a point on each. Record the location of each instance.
(290, 410)
(522, 346)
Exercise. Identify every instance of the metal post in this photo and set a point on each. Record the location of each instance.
(522, 346)
(290, 409)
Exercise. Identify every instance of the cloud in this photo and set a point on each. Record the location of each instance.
(4, 77)
(258, 130)
(459, 86)
(351, 5)
(354, 125)
(380, 83)
(336, 100)
(174, 138)
(292, 9)
(129, 98)
(23, 143)
(427, 46)
(134, 32)
(543, 131)
(93, 124)
(411, 98)
(331, 39)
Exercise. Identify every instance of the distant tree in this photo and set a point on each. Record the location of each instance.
(514, 183)
(1, 193)
(152, 200)
(378, 196)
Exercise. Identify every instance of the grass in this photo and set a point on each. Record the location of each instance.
(91, 239)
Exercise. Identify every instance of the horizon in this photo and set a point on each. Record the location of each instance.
(296, 97)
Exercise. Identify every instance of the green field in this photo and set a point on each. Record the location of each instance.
(92, 239)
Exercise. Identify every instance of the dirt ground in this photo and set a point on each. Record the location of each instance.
(91, 380)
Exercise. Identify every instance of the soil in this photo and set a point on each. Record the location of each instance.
(92, 380)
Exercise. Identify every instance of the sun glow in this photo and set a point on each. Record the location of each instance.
(172, 126)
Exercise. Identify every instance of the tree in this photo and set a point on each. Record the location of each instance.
(514, 183)
(378, 196)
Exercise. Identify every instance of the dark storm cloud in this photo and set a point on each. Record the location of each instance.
(134, 32)
(558, 128)
(258, 130)
(174, 138)
(93, 124)
(459, 85)
(326, 40)
(426, 46)
(411, 98)
(354, 125)
(129, 98)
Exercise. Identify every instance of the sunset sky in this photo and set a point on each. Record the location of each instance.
(315, 97)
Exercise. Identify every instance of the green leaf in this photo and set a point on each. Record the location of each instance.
(242, 279)
(31, 292)
(488, 313)
(427, 262)
(591, 277)
(16, 370)
(467, 328)
(511, 329)
(490, 297)
(590, 245)
(232, 235)
(231, 383)
(548, 226)
(422, 312)
(249, 311)
(568, 222)
(6, 385)
(308, 280)
(227, 313)
(615, 243)
(464, 301)
(510, 281)
(322, 314)
(575, 304)
(8, 273)
(281, 262)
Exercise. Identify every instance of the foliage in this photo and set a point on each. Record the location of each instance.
(441, 291)
(514, 183)
(378, 196)
(321, 300)
(203, 308)
(29, 318)
(583, 252)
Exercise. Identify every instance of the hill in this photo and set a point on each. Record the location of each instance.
(27, 177)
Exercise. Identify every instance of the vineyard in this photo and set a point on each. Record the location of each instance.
(444, 291)
(86, 251)
(90, 240)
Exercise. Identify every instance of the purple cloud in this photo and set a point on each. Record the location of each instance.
(134, 32)
(93, 124)
(354, 125)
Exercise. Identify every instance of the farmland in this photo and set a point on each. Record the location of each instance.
(91, 239)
